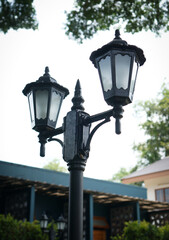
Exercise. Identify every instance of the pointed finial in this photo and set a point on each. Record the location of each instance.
(117, 34)
(46, 71)
(117, 39)
(77, 99)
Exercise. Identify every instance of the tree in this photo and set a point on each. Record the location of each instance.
(55, 165)
(90, 16)
(17, 14)
(124, 172)
(156, 127)
(120, 174)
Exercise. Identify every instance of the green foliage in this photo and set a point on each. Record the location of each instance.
(155, 127)
(12, 229)
(17, 14)
(143, 231)
(90, 16)
(117, 177)
(55, 166)
(120, 174)
(165, 232)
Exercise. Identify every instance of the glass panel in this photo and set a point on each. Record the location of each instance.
(61, 225)
(133, 78)
(41, 104)
(105, 71)
(55, 105)
(31, 107)
(160, 195)
(122, 65)
(167, 195)
(43, 224)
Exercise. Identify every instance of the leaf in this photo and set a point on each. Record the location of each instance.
(89, 17)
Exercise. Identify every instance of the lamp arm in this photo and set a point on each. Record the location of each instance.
(56, 139)
(54, 132)
(97, 117)
(43, 136)
(87, 147)
(116, 112)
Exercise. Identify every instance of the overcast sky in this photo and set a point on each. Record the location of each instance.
(23, 57)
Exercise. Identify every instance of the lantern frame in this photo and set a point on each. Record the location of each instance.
(61, 223)
(44, 222)
(42, 106)
(118, 96)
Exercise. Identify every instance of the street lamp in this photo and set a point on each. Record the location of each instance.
(61, 223)
(117, 63)
(45, 97)
(44, 222)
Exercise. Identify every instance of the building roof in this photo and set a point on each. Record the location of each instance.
(154, 170)
(60, 179)
(54, 183)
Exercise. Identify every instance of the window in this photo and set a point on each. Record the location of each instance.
(162, 195)
(167, 194)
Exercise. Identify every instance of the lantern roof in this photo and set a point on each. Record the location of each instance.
(45, 80)
(117, 44)
(46, 77)
(61, 219)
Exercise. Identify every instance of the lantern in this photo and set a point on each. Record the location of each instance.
(45, 97)
(117, 64)
(61, 222)
(44, 222)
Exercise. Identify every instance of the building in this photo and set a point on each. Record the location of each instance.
(26, 192)
(156, 179)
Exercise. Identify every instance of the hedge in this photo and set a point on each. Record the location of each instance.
(143, 231)
(12, 229)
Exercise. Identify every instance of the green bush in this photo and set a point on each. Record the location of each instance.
(12, 229)
(165, 232)
(143, 231)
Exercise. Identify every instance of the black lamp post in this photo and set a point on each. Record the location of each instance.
(117, 63)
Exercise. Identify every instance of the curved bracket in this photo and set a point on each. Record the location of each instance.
(57, 140)
(45, 136)
(116, 112)
(87, 147)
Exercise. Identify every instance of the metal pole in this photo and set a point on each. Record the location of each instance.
(75, 214)
(75, 138)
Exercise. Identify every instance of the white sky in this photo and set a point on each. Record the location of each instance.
(23, 57)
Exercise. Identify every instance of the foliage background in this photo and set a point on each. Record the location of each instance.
(143, 231)
(12, 229)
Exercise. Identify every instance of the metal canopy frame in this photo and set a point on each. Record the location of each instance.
(10, 183)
